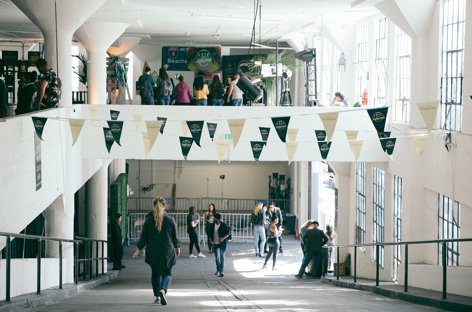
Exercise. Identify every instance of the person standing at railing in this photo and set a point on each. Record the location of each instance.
(257, 219)
(219, 232)
(273, 242)
(159, 236)
(209, 219)
(313, 240)
(193, 228)
(117, 243)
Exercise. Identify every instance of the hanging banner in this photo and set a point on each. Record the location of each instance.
(351, 135)
(185, 145)
(324, 149)
(356, 147)
(257, 147)
(236, 127)
(196, 128)
(116, 128)
(281, 126)
(378, 116)
(419, 142)
(153, 128)
(114, 114)
(196, 59)
(264, 133)
(138, 118)
(384, 134)
(292, 134)
(221, 148)
(75, 128)
(39, 123)
(320, 135)
(92, 112)
(428, 111)
(211, 129)
(109, 138)
(388, 145)
(329, 123)
(291, 148)
(164, 121)
(146, 143)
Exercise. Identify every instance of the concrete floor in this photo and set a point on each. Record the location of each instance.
(244, 287)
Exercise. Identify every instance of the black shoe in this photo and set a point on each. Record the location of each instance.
(116, 268)
(281, 250)
(260, 255)
(157, 301)
(298, 276)
(216, 273)
(221, 274)
(162, 296)
(266, 251)
(123, 266)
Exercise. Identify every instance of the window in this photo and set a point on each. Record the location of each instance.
(379, 212)
(401, 109)
(326, 69)
(397, 222)
(362, 61)
(452, 65)
(360, 203)
(448, 228)
(381, 62)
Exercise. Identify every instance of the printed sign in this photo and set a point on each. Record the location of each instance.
(388, 145)
(201, 59)
(378, 117)
(320, 135)
(324, 149)
(264, 133)
(164, 121)
(196, 128)
(212, 129)
(281, 125)
(185, 145)
(116, 128)
(257, 147)
(39, 123)
(114, 114)
(109, 139)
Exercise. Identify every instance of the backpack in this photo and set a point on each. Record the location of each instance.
(166, 88)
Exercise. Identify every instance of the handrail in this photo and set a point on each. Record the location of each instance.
(432, 241)
(44, 238)
(90, 239)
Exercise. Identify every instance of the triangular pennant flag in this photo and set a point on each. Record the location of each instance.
(185, 129)
(428, 111)
(221, 147)
(292, 134)
(291, 148)
(356, 148)
(92, 112)
(185, 145)
(116, 128)
(164, 121)
(236, 127)
(265, 131)
(320, 135)
(257, 147)
(196, 128)
(384, 134)
(138, 118)
(351, 135)
(212, 129)
(146, 143)
(109, 138)
(114, 114)
(324, 149)
(281, 126)
(153, 128)
(39, 123)
(378, 116)
(419, 142)
(388, 145)
(329, 123)
(75, 128)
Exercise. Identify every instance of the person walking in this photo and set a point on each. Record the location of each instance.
(235, 94)
(193, 228)
(329, 251)
(200, 91)
(219, 232)
(258, 218)
(273, 242)
(217, 91)
(209, 219)
(146, 85)
(117, 243)
(313, 240)
(182, 92)
(164, 88)
(159, 236)
(276, 212)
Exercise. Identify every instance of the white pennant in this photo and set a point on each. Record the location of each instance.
(351, 135)
(138, 118)
(356, 147)
(185, 129)
(221, 148)
(236, 127)
(419, 142)
(147, 143)
(153, 128)
(329, 122)
(92, 112)
(291, 148)
(292, 134)
(75, 128)
(428, 111)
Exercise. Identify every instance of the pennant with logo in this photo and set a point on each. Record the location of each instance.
(281, 126)
(146, 143)
(351, 135)
(428, 111)
(114, 114)
(153, 128)
(196, 128)
(221, 148)
(75, 128)
(185, 129)
(324, 149)
(356, 147)
(39, 123)
(185, 145)
(116, 128)
(291, 148)
(164, 121)
(388, 145)
(384, 134)
(138, 118)
(292, 134)
(419, 142)
(109, 138)
(329, 123)
(211, 129)
(92, 112)
(320, 135)
(236, 127)
(264, 133)
(378, 116)
(257, 147)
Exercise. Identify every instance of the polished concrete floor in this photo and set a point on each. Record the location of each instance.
(245, 287)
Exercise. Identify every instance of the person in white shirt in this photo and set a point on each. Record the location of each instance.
(235, 94)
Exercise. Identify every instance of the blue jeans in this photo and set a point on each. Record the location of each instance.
(236, 102)
(220, 250)
(147, 100)
(311, 255)
(259, 238)
(160, 282)
(217, 102)
(202, 102)
(164, 100)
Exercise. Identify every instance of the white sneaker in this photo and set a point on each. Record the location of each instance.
(200, 255)
(192, 256)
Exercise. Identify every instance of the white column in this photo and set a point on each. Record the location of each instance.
(58, 20)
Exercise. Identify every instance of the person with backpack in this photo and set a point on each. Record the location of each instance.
(220, 234)
(146, 86)
(258, 219)
(217, 91)
(164, 88)
(50, 86)
(200, 91)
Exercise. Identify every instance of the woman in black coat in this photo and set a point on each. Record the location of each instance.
(159, 236)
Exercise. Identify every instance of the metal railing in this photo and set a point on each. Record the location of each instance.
(377, 246)
(40, 239)
(239, 223)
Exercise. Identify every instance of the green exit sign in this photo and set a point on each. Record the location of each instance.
(228, 137)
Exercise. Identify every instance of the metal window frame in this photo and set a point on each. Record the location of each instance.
(397, 222)
(381, 61)
(378, 219)
(360, 202)
(449, 227)
(401, 109)
(362, 59)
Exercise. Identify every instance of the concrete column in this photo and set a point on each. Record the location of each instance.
(58, 20)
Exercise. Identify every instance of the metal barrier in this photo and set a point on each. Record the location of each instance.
(377, 246)
(239, 223)
(40, 239)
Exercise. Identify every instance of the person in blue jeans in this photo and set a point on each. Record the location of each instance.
(313, 241)
(217, 91)
(164, 88)
(258, 218)
(219, 232)
(146, 85)
(235, 94)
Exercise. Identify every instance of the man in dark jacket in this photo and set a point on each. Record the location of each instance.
(313, 240)
(276, 212)
(219, 232)
(117, 243)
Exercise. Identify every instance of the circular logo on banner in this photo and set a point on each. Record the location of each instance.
(115, 128)
(195, 128)
(186, 143)
(109, 136)
(280, 124)
(38, 124)
(389, 144)
(212, 127)
(114, 115)
(378, 117)
(243, 66)
(173, 52)
(264, 132)
(324, 148)
(321, 136)
(257, 147)
(203, 58)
